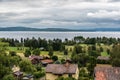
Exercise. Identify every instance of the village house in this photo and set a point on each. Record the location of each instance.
(35, 59)
(45, 62)
(16, 72)
(103, 59)
(18, 75)
(106, 73)
(106, 58)
(40, 59)
(53, 71)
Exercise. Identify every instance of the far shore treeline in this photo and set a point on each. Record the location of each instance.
(58, 44)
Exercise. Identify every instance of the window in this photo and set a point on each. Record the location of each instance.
(60, 75)
(70, 75)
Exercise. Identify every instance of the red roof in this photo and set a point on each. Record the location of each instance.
(107, 73)
(47, 61)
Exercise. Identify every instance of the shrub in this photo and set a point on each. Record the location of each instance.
(39, 74)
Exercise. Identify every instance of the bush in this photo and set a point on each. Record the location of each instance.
(63, 61)
(9, 77)
(27, 53)
(36, 52)
(116, 62)
(55, 58)
(38, 67)
(12, 53)
(57, 62)
(26, 66)
(39, 74)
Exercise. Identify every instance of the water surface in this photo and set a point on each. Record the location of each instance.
(51, 35)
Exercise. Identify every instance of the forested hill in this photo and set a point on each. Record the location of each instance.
(55, 29)
(33, 29)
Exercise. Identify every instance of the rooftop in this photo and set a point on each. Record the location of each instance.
(18, 73)
(107, 73)
(61, 68)
(103, 58)
(35, 57)
(47, 61)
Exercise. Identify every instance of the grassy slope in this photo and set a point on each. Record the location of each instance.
(56, 53)
(104, 54)
(20, 50)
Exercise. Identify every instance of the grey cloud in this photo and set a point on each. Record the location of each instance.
(114, 0)
(59, 13)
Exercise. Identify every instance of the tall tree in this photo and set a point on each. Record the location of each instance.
(115, 55)
(27, 53)
(26, 66)
(78, 49)
(9, 77)
(66, 52)
(50, 51)
(36, 52)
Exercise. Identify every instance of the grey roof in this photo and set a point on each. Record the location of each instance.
(103, 58)
(61, 68)
(17, 73)
(35, 57)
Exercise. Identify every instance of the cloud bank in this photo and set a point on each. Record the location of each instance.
(75, 14)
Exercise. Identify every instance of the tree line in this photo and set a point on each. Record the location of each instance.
(58, 44)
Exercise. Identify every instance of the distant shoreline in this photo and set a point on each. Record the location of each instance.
(56, 31)
(59, 29)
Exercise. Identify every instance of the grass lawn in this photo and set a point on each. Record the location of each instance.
(56, 53)
(104, 54)
(83, 45)
(17, 49)
(69, 47)
(59, 54)
(44, 53)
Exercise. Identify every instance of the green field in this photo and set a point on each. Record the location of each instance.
(104, 54)
(56, 53)
(17, 49)
(69, 47)
(21, 50)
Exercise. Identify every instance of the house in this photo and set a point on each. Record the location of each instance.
(103, 59)
(45, 62)
(106, 73)
(35, 59)
(106, 58)
(53, 71)
(18, 74)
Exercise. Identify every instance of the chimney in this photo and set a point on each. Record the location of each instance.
(67, 64)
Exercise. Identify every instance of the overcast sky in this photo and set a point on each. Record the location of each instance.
(75, 14)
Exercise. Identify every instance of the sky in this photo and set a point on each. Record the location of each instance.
(71, 14)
